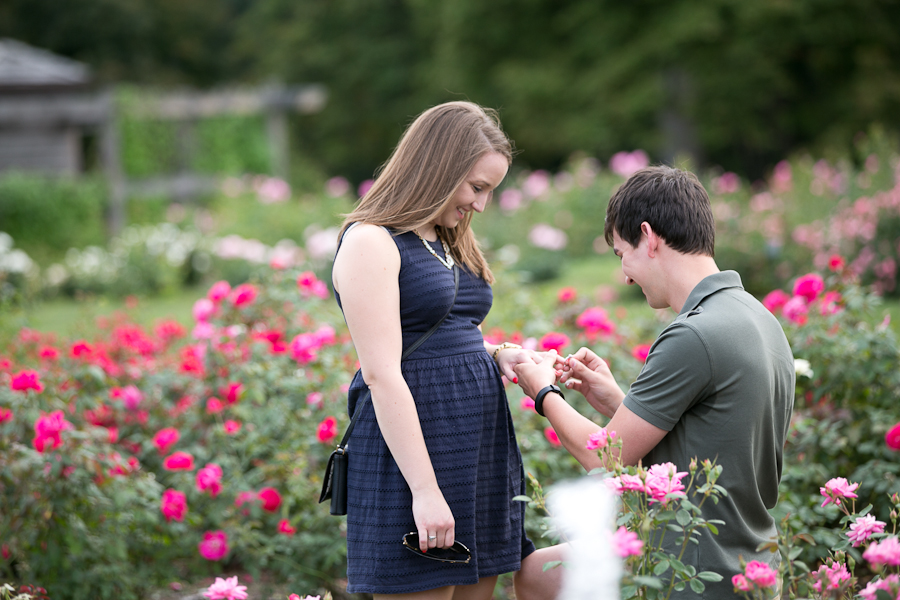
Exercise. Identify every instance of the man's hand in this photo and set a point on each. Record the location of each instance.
(587, 373)
(535, 376)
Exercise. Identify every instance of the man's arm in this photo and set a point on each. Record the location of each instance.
(637, 435)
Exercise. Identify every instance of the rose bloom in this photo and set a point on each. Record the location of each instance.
(204, 309)
(836, 262)
(775, 300)
(886, 552)
(165, 439)
(226, 589)
(837, 488)
(600, 439)
(554, 341)
(179, 461)
(5, 415)
(47, 430)
(863, 528)
(131, 397)
(626, 543)
(662, 480)
(566, 294)
(303, 348)
(218, 291)
(284, 526)
(327, 430)
(81, 349)
(243, 295)
(641, 352)
(231, 427)
(315, 399)
(173, 505)
(892, 437)
(890, 584)
(232, 392)
(594, 320)
(551, 436)
(214, 406)
(271, 499)
(527, 403)
(761, 574)
(49, 353)
(795, 310)
(209, 478)
(741, 583)
(214, 545)
(809, 286)
(832, 576)
(26, 380)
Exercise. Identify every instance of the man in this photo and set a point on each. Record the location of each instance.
(718, 382)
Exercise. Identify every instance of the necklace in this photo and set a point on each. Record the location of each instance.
(449, 262)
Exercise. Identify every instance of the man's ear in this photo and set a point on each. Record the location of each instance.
(653, 240)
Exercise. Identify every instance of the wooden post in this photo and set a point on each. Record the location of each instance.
(112, 166)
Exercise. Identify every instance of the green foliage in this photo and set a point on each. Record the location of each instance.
(47, 216)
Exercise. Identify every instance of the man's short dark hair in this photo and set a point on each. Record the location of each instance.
(672, 201)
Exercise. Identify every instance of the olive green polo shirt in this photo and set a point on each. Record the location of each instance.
(720, 379)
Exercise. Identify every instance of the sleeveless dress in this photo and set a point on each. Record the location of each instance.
(468, 431)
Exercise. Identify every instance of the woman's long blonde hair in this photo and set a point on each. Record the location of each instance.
(431, 161)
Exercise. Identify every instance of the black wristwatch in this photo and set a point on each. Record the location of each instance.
(539, 399)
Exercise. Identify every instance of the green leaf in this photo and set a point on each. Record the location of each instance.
(709, 576)
(552, 565)
(629, 591)
(661, 567)
(683, 517)
(652, 582)
(697, 586)
(521, 499)
(712, 528)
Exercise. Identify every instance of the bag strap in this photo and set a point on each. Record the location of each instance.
(415, 345)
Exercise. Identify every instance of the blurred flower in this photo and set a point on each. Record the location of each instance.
(741, 583)
(232, 392)
(554, 341)
(337, 187)
(179, 461)
(551, 436)
(837, 488)
(209, 478)
(214, 406)
(271, 499)
(165, 439)
(203, 330)
(536, 184)
(802, 368)
(231, 427)
(81, 349)
(641, 351)
(600, 439)
(863, 528)
(204, 308)
(594, 320)
(566, 294)
(284, 526)
(327, 430)
(271, 190)
(5, 415)
(26, 380)
(303, 348)
(890, 584)
(626, 543)
(225, 589)
(782, 177)
(315, 399)
(726, 183)
(173, 505)
(48, 353)
(310, 285)
(243, 295)
(892, 437)
(548, 237)
(831, 577)
(169, 330)
(836, 262)
(321, 243)
(809, 286)
(627, 164)
(510, 200)
(886, 552)
(526, 403)
(795, 310)
(761, 574)
(48, 429)
(364, 187)
(218, 291)
(214, 545)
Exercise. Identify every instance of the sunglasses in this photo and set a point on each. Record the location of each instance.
(457, 553)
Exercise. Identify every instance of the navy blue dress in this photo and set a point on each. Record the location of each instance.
(468, 431)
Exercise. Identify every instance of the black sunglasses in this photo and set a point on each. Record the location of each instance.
(457, 553)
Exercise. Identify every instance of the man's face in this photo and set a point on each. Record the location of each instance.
(637, 267)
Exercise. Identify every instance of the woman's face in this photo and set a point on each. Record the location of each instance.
(476, 190)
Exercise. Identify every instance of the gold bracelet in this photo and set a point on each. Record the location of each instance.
(503, 346)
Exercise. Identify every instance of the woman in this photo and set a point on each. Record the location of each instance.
(433, 451)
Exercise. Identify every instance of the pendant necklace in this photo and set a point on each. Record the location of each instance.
(449, 262)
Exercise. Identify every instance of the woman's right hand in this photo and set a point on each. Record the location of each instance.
(433, 518)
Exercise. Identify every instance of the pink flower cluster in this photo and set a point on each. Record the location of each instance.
(756, 575)
(809, 291)
(660, 482)
(595, 321)
(831, 577)
(48, 430)
(600, 439)
(886, 552)
(626, 543)
(311, 286)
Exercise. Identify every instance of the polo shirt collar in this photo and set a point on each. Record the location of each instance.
(709, 286)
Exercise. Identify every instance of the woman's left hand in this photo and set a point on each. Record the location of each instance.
(508, 358)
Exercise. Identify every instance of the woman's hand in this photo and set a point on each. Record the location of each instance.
(434, 519)
(587, 373)
(508, 358)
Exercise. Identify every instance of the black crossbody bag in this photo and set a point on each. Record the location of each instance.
(334, 486)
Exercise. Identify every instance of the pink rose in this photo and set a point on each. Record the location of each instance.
(179, 461)
(131, 397)
(226, 589)
(303, 348)
(594, 320)
(837, 488)
(554, 341)
(204, 309)
(173, 505)
(551, 436)
(886, 552)
(662, 480)
(626, 543)
(165, 439)
(284, 526)
(741, 583)
(809, 286)
(209, 478)
(214, 406)
(243, 295)
(26, 380)
(795, 310)
(836, 262)
(231, 426)
(327, 430)
(5, 415)
(600, 439)
(527, 403)
(892, 437)
(315, 399)
(566, 294)
(761, 574)
(48, 429)
(271, 499)
(218, 291)
(214, 545)
(641, 352)
(775, 301)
